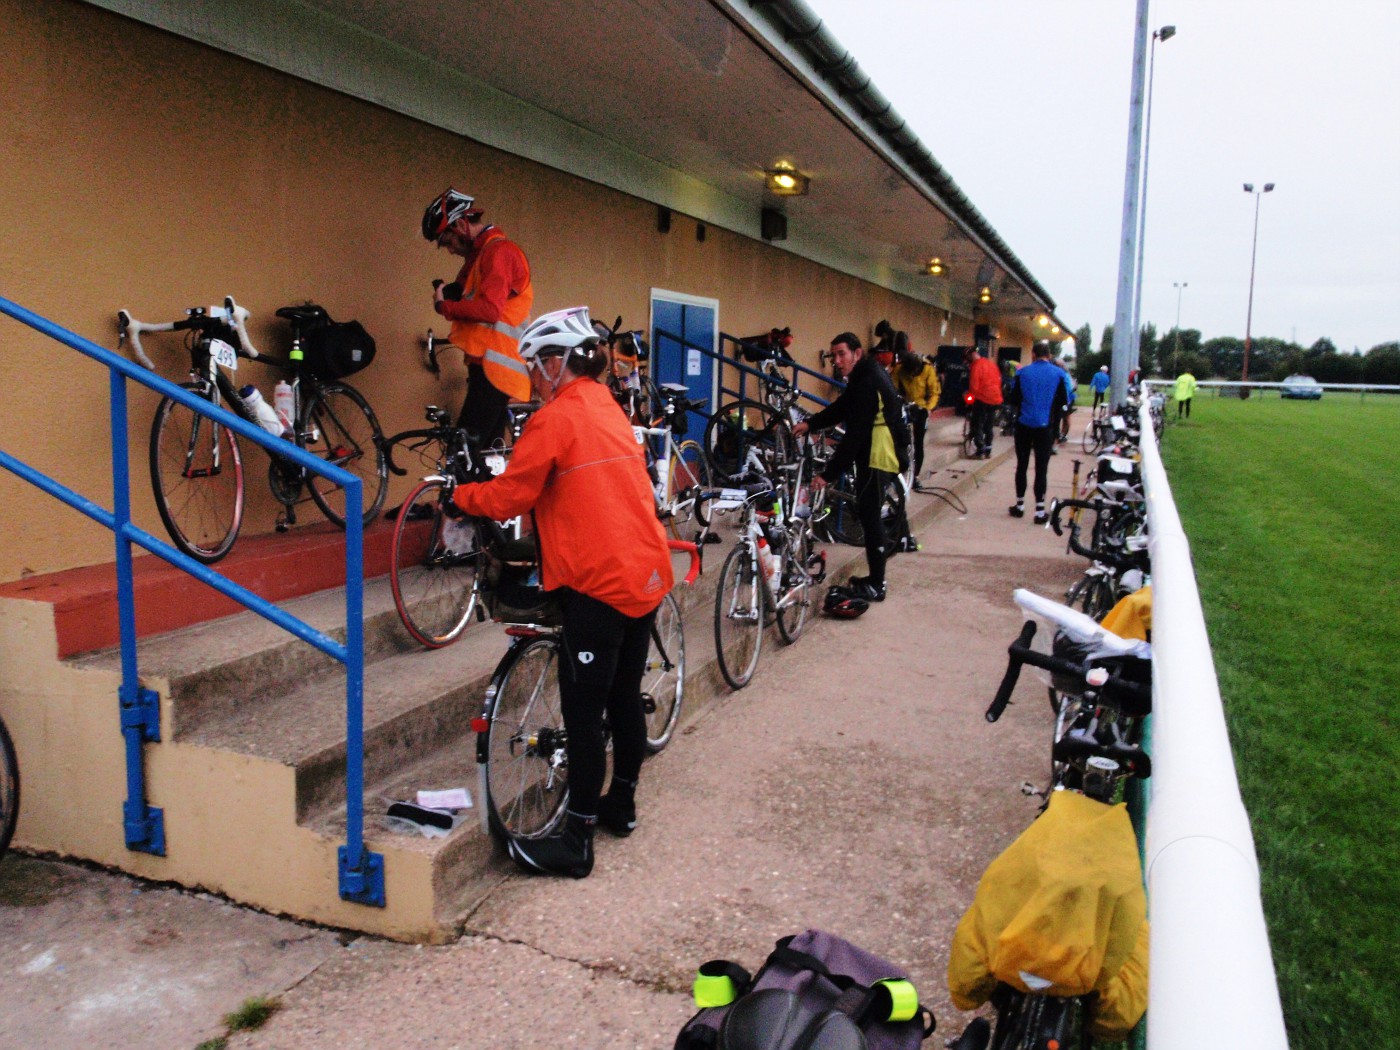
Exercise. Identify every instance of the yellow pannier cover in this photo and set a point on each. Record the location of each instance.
(1061, 912)
(1132, 616)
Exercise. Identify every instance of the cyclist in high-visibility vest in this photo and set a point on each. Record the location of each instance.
(488, 305)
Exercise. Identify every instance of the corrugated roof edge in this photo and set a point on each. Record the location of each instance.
(801, 29)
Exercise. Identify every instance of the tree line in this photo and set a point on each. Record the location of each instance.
(1270, 360)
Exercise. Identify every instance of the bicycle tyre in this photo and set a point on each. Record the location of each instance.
(9, 789)
(663, 680)
(435, 587)
(341, 428)
(690, 475)
(841, 520)
(1092, 440)
(738, 617)
(969, 440)
(795, 601)
(200, 500)
(525, 768)
(739, 426)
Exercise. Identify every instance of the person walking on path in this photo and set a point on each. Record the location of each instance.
(917, 382)
(1183, 390)
(1099, 385)
(579, 468)
(875, 440)
(1039, 391)
(487, 305)
(1071, 395)
(984, 385)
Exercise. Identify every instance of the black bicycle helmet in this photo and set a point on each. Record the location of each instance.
(447, 207)
(842, 604)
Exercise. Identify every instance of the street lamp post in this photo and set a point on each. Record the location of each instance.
(1253, 254)
(1164, 34)
(1177, 352)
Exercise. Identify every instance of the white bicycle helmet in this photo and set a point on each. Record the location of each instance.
(562, 331)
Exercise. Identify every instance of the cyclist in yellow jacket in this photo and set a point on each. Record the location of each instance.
(917, 382)
(488, 305)
(1183, 390)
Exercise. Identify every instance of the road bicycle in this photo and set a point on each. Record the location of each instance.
(767, 576)
(196, 464)
(9, 788)
(679, 471)
(435, 555)
(1097, 747)
(521, 740)
(1118, 558)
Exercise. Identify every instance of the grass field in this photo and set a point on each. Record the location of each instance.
(1293, 512)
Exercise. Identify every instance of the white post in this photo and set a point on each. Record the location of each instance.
(1123, 336)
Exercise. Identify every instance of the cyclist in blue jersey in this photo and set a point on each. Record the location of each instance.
(1100, 384)
(1039, 394)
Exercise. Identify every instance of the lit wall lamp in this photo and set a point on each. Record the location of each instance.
(1042, 320)
(786, 181)
(934, 267)
(985, 295)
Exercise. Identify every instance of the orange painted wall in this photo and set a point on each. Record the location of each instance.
(141, 170)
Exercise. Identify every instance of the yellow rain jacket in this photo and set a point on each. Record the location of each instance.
(1184, 389)
(1064, 904)
(1132, 616)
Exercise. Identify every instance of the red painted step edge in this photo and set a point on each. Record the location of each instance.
(276, 567)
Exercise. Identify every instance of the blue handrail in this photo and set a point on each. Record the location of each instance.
(361, 872)
(747, 370)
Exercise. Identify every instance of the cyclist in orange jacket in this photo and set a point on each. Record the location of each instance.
(578, 466)
(487, 305)
(984, 384)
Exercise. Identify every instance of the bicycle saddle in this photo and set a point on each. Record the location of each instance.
(305, 314)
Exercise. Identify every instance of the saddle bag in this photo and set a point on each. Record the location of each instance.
(814, 992)
(331, 349)
(510, 586)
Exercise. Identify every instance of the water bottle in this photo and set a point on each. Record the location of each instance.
(266, 417)
(285, 403)
(771, 563)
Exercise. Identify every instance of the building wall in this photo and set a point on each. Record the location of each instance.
(144, 171)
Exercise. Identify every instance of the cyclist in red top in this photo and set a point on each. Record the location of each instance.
(984, 384)
(487, 305)
(578, 466)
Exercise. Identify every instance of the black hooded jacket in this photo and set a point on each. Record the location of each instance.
(867, 388)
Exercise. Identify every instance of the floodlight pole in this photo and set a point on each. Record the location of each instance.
(1164, 34)
(1253, 255)
(1123, 337)
(1177, 351)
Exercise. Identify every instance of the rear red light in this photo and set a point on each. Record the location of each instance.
(523, 632)
(480, 725)
(967, 398)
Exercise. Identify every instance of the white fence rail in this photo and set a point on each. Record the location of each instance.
(1212, 974)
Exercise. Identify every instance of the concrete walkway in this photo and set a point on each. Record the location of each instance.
(854, 786)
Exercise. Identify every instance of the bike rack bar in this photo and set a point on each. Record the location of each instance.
(361, 872)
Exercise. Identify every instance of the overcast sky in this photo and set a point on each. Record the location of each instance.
(1025, 103)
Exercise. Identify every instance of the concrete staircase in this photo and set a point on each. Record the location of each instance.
(250, 772)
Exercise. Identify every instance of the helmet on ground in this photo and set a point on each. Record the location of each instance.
(447, 207)
(842, 604)
(562, 331)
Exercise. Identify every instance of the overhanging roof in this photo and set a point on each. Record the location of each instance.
(681, 102)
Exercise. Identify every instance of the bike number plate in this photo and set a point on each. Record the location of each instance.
(496, 464)
(224, 355)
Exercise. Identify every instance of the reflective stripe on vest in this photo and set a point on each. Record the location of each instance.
(495, 357)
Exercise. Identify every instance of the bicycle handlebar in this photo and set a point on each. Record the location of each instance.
(202, 319)
(1020, 652)
(1114, 560)
(694, 552)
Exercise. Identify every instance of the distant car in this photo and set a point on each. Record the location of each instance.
(1301, 388)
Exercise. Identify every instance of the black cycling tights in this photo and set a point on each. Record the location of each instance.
(1037, 440)
(870, 494)
(600, 670)
(483, 412)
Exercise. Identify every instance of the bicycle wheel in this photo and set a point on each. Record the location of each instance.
(841, 520)
(1092, 440)
(743, 425)
(663, 681)
(9, 789)
(525, 775)
(342, 429)
(433, 568)
(690, 474)
(796, 586)
(969, 441)
(197, 479)
(738, 617)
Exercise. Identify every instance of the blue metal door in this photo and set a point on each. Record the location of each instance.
(681, 333)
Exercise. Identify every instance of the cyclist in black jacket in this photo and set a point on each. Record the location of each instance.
(867, 406)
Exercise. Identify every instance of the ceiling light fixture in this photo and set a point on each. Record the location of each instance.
(934, 267)
(985, 295)
(786, 181)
